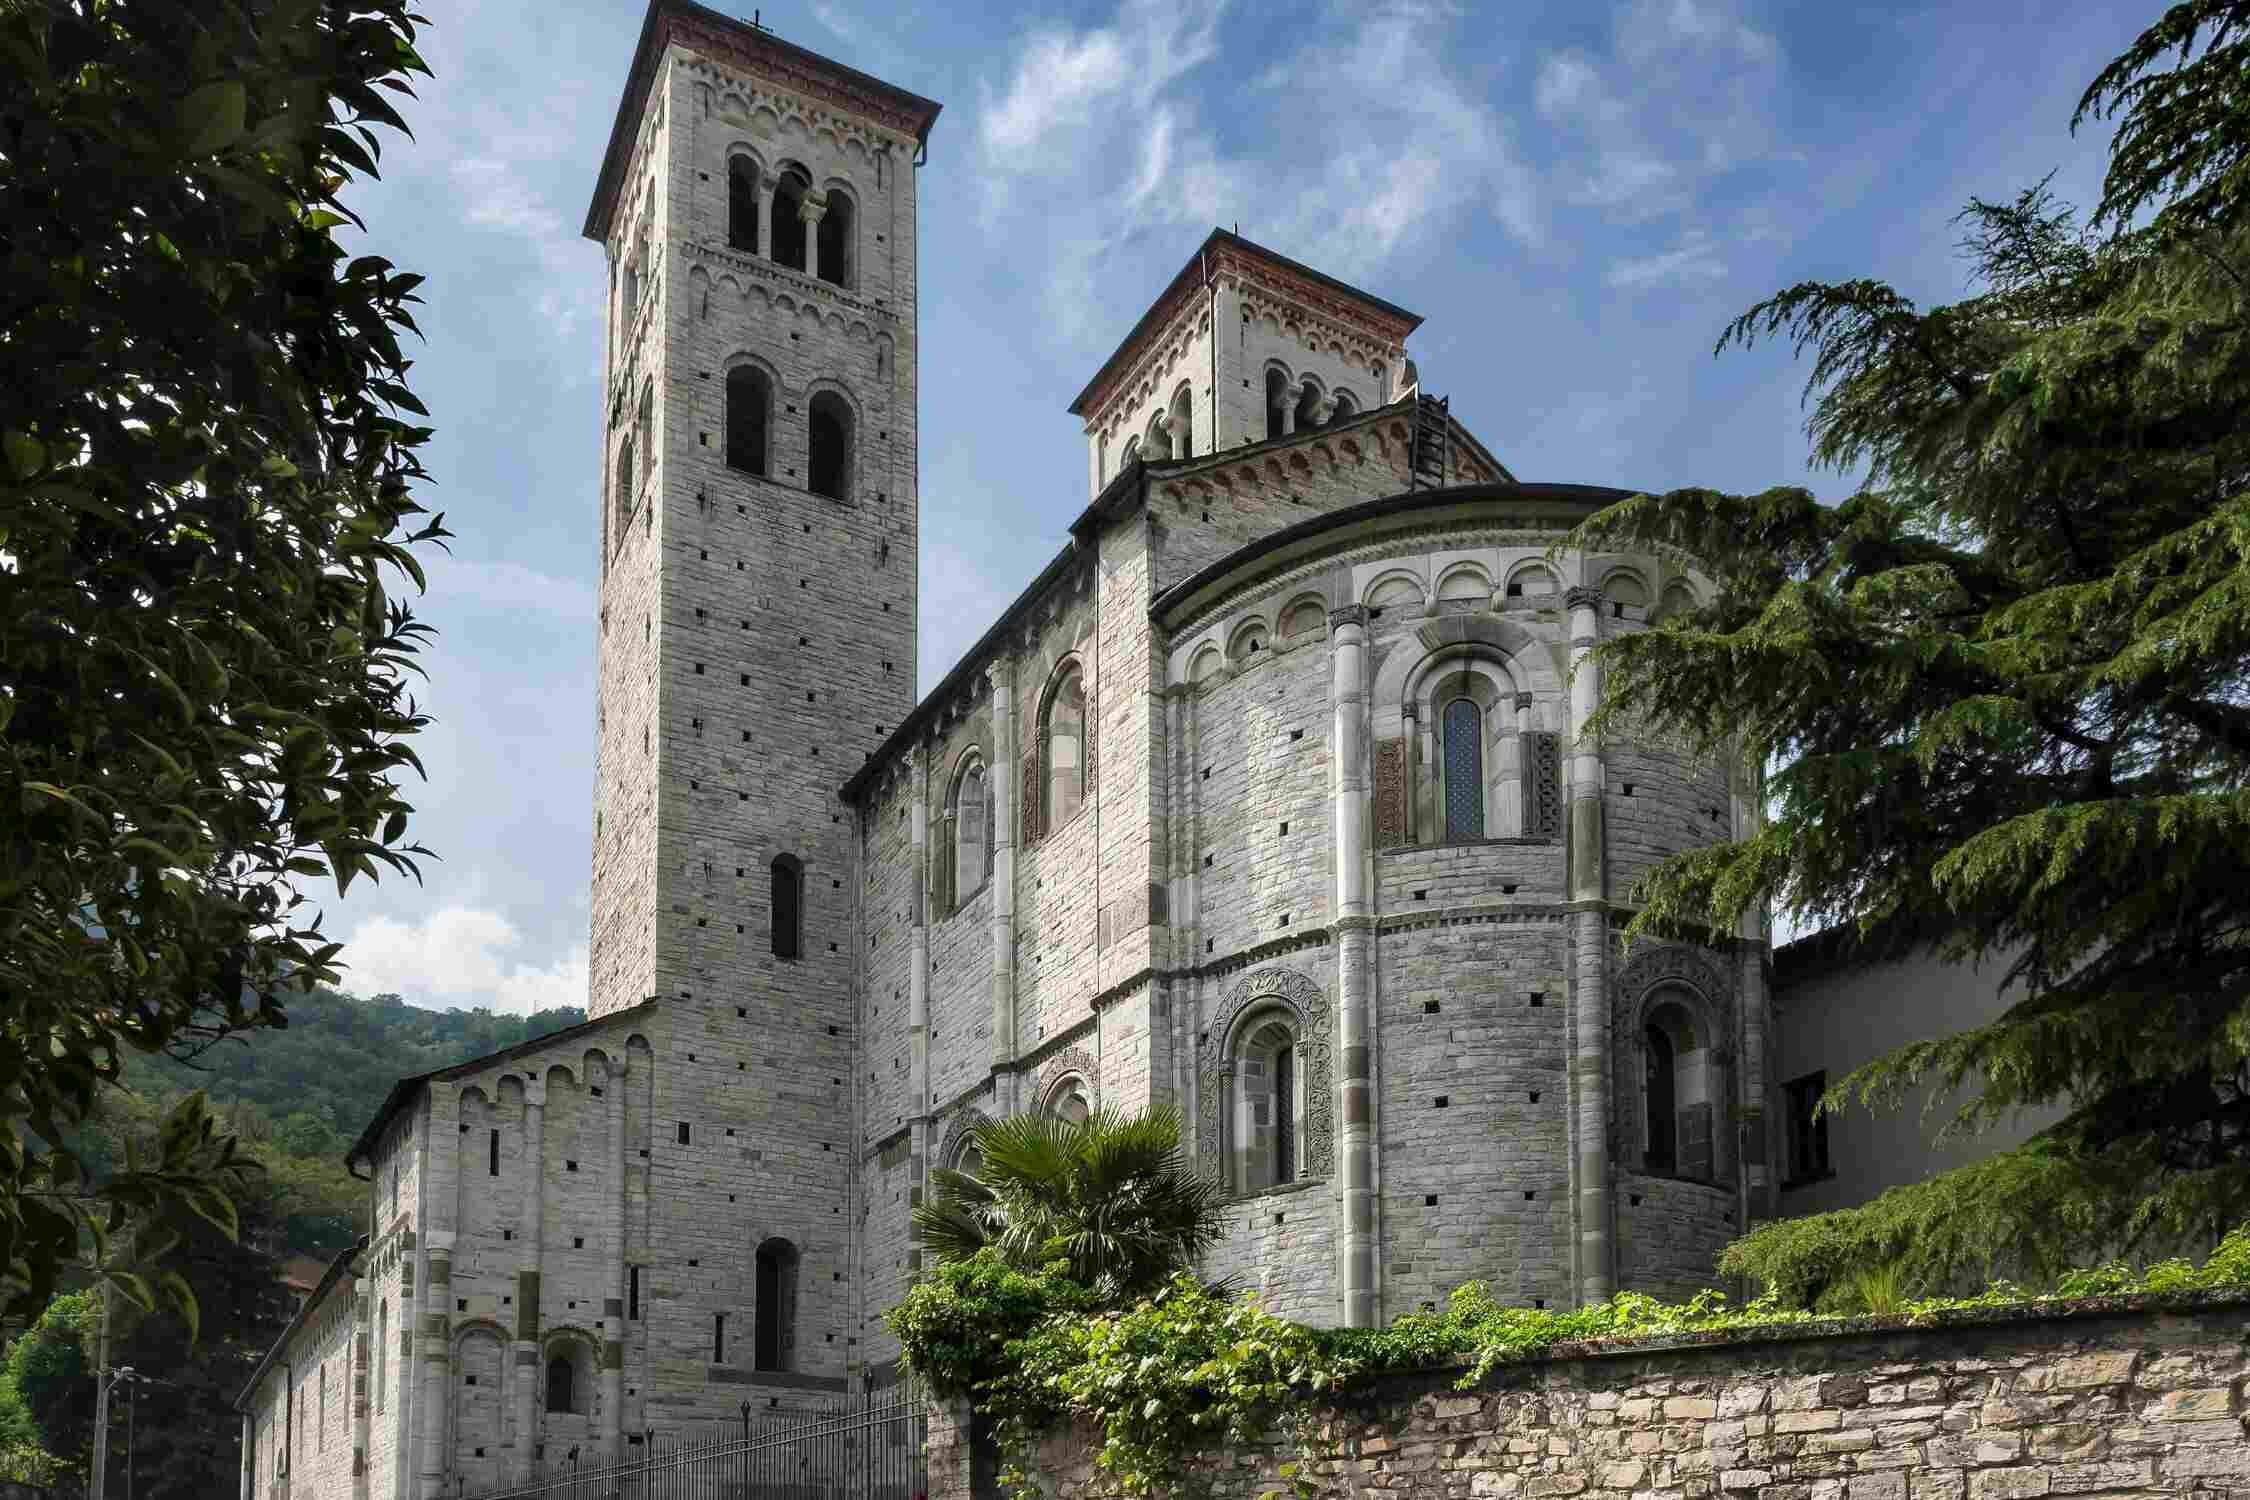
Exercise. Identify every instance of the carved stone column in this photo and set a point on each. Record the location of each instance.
(1510, 823)
(1597, 1207)
(1290, 396)
(527, 1275)
(1355, 944)
(435, 1347)
(613, 1305)
(809, 209)
(1007, 787)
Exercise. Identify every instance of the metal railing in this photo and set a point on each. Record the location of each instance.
(858, 1448)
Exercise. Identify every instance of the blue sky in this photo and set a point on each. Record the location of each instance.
(1577, 198)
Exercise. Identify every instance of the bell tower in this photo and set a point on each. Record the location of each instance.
(759, 521)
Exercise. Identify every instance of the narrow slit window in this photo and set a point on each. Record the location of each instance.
(1464, 770)
(788, 903)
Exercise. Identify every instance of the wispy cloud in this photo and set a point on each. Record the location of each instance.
(1354, 138)
(1684, 95)
(1694, 259)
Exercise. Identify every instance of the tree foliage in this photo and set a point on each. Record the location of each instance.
(204, 481)
(2003, 688)
(1109, 1199)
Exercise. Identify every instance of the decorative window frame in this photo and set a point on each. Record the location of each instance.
(1253, 997)
(1056, 1074)
(1672, 971)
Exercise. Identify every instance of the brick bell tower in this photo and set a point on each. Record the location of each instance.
(758, 547)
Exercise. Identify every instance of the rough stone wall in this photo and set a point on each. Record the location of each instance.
(1056, 944)
(1670, 1231)
(1674, 804)
(1475, 1107)
(2136, 1402)
(1262, 761)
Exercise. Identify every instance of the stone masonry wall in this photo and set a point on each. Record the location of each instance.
(2114, 1400)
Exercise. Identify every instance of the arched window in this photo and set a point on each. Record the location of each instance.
(1346, 405)
(1182, 428)
(626, 475)
(1382, 377)
(1068, 1103)
(788, 906)
(1277, 403)
(1308, 408)
(971, 1163)
(749, 409)
(562, 1384)
(786, 234)
(837, 239)
(828, 468)
(1131, 456)
(1679, 1090)
(644, 427)
(742, 204)
(966, 848)
(1101, 461)
(1158, 443)
(1464, 770)
(1269, 1106)
(1062, 749)
(774, 1346)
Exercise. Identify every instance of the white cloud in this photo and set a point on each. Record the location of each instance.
(459, 957)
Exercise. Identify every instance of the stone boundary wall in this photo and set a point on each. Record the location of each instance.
(2114, 1398)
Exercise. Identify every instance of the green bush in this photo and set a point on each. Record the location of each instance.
(1194, 1368)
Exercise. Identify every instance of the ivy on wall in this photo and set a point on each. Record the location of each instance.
(1193, 1368)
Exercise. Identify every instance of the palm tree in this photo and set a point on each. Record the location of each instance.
(1111, 1195)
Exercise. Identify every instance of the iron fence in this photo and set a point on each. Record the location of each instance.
(859, 1448)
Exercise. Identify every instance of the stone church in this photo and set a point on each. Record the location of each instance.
(1266, 797)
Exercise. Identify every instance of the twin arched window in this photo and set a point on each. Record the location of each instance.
(834, 241)
(788, 906)
(964, 858)
(1062, 755)
(1277, 403)
(829, 433)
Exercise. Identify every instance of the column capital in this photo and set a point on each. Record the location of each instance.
(1583, 597)
(811, 206)
(1348, 614)
(1523, 700)
(438, 1242)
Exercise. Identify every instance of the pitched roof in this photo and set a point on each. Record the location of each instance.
(1224, 250)
(752, 49)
